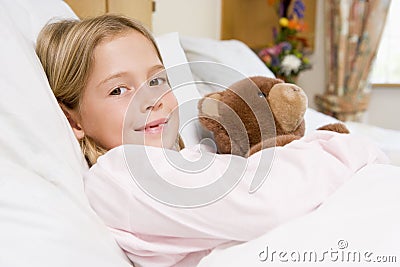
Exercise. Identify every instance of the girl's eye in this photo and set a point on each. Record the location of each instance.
(157, 81)
(118, 91)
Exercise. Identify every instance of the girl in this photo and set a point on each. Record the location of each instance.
(94, 94)
(107, 75)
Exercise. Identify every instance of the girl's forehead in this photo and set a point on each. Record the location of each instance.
(130, 40)
(121, 34)
(131, 54)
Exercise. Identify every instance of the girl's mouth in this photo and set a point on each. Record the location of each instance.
(153, 127)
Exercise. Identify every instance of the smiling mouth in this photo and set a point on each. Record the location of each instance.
(153, 127)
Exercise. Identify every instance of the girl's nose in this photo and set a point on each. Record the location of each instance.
(158, 105)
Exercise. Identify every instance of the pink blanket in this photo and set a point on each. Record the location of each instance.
(303, 174)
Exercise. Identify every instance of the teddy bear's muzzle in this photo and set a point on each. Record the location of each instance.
(288, 103)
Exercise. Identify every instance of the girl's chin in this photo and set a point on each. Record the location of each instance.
(150, 139)
(157, 142)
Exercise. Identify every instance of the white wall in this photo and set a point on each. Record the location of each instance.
(384, 108)
(199, 18)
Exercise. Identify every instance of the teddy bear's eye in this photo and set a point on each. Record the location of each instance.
(261, 94)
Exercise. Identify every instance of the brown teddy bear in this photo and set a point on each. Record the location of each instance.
(256, 113)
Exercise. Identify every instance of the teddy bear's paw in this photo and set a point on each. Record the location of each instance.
(262, 145)
(335, 127)
(272, 142)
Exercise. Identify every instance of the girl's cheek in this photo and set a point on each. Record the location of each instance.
(171, 99)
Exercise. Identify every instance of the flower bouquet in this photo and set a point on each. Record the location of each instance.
(287, 57)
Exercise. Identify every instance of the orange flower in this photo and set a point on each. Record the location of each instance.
(303, 26)
(293, 24)
(297, 25)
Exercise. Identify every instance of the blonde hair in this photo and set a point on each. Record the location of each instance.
(66, 49)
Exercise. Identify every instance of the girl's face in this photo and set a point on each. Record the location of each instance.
(127, 98)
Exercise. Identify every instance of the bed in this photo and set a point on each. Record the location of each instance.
(45, 218)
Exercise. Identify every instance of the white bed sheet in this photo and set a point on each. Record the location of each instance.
(362, 218)
(387, 139)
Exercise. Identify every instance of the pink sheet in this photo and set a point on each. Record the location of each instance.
(303, 175)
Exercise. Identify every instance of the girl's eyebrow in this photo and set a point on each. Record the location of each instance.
(155, 69)
(113, 76)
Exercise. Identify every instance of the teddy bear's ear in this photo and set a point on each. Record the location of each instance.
(209, 105)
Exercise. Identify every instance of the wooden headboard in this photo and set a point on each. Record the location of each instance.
(138, 9)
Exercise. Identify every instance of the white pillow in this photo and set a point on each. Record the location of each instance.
(30, 16)
(45, 217)
(315, 119)
(232, 53)
(185, 90)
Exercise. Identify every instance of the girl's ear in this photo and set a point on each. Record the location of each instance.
(72, 117)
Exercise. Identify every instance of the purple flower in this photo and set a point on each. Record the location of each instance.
(274, 33)
(263, 52)
(275, 50)
(272, 51)
(285, 46)
(275, 61)
(284, 8)
(298, 8)
(281, 9)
